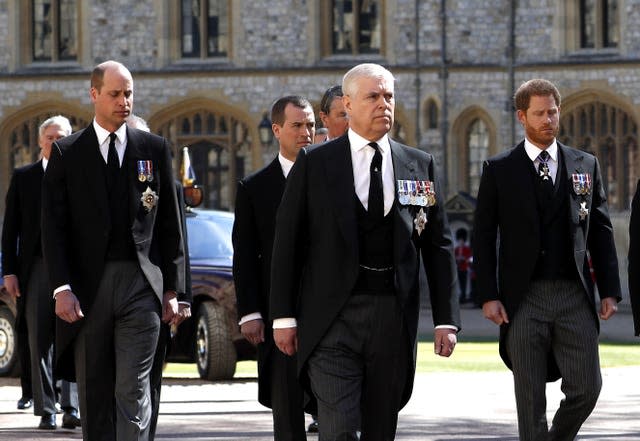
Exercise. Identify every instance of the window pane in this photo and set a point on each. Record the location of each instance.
(610, 23)
(369, 30)
(587, 23)
(342, 28)
(68, 49)
(190, 28)
(42, 29)
(478, 143)
(218, 27)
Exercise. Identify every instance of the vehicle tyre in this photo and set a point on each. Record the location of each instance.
(8, 343)
(215, 352)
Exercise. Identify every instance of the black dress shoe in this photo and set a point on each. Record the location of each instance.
(25, 403)
(47, 422)
(70, 419)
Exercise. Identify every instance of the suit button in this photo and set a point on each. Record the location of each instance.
(543, 252)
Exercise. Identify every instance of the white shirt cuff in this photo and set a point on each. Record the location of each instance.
(60, 289)
(249, 317)
(287, 322)
(455, 328)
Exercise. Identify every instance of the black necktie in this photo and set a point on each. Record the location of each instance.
(376, 195)
(545, 173)
(113, 164)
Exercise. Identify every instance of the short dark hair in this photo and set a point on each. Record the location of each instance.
(277, 109)
(535, 87)
(329, 95)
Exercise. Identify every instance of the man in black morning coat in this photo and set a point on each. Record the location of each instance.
(547, 205)
(113, 247)
(344, 280)
(257, 200)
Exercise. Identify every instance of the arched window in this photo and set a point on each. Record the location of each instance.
(611, 135)
(24, 137)
(219, 149)
(431, 115)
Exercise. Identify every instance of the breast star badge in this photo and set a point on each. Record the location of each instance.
(149, 199)
(420, 221)
(583, 212)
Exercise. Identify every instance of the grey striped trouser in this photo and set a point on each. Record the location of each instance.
(555, 319)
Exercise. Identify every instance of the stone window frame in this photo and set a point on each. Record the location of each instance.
(573, 26)
(460, 166)
(26, 31)
(326, 31)
(175, 14)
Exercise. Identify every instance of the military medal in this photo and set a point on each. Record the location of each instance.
(430, 194)
(403, 192)
(149, 199)
(418, 193)
(145, 171)
(583, 212)
(581, 183)
(544, 171)
(420, 221)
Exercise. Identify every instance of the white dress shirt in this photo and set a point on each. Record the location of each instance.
(361, 156)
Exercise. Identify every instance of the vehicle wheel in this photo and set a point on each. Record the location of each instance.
(215, 352)
(8, 348)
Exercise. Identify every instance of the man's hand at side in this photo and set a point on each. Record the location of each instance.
(286, 340)
(68, 306)
(253, 331)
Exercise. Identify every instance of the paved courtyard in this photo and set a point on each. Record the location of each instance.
(444, 406)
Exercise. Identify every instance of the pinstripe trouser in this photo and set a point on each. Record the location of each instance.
(555, 318)
(359, 370)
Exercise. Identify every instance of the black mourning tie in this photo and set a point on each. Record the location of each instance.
(545, 173)
(376, 195)
(113, 165)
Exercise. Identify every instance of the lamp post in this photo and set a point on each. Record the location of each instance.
(264, 131)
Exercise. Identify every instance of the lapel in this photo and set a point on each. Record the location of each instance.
(573, 162)
(134, 152)
(522, 183)
(38, 174)
(275, 182)
(404, 167)
(339, 173)
(92, 162)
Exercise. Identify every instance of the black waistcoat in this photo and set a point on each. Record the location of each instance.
(375, 247)
(555, 260)
(121, 245)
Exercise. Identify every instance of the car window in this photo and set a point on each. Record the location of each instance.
(210, 238)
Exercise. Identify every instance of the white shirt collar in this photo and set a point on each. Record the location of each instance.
(286, 164)
(45, 161)
(103, 134)
(533, 151)
(357, 142)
